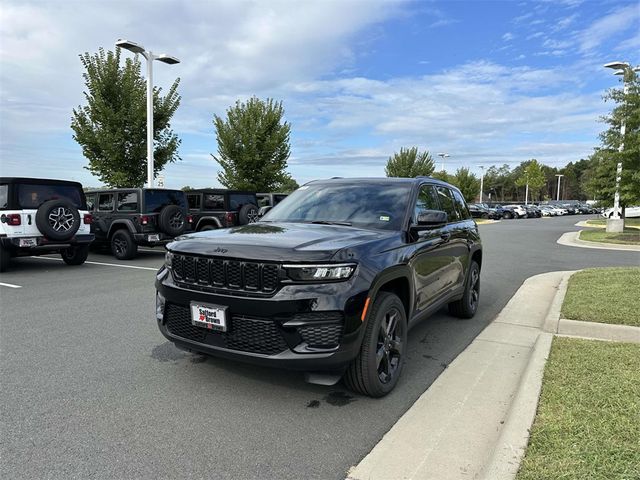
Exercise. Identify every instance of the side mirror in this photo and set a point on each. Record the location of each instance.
(432, 218)
(263, 210)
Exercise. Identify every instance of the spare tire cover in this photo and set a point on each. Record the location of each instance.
(58, 220)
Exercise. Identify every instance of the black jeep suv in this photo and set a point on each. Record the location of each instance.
(220, 208)
(127, 217)
(328, 282)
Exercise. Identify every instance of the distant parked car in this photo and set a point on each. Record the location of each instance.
(478, 211)
(533, 211)
(519, 210)
(221, 208)
(629, 212)
(505, 212)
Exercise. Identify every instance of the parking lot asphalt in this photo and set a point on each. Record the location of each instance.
(91, 389)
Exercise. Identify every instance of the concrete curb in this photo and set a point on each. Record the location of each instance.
(515, 433)
(583, 223)
(553, 314)
(571, 239)
(599, 331)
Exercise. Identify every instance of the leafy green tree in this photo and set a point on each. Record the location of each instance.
(467, 182)
(288, 185)
(605, 159)
(410, 163)
(112, 127)
(498, 181)
(442, 175)
(253, 146)
(186, 188)
(530, 172)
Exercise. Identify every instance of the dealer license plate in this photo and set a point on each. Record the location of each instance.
(28, 242)
(154, 238)
(211, 317)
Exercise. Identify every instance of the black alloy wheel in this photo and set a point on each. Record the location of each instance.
(378, 366)
(122, 245)
(467, 306)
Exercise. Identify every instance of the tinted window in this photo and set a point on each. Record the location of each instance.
(128, 202)
(4, 196)
(105, 202)
(447, 203)
(213, 202)
(91, 202)
(278, 198)
(427, 200)
(461, 205)
(372, 205)
(263, 200)
(237, 200)
(34, 195)
(194, 200)
(156, 200)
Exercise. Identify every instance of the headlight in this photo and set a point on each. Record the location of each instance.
(319, 273)
(168, 259)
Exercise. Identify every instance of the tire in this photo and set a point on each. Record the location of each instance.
(5, 258)
(467, 306)
(205, 228)
(172, 220)
(377, 368)
(122, 245)
(75, 255)
(484, 216)
(58, 220)
(248, 214)
(507, 215)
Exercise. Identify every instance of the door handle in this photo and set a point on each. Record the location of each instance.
(445, 237)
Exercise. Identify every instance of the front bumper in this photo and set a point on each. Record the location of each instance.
(43, 244)
(300, 327)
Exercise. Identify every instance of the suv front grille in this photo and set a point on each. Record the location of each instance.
(245, 334)
(225, 274)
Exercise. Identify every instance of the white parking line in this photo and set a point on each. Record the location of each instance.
(101, 263)
(10, 285)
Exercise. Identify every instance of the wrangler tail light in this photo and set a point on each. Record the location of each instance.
(88, 219)
(13, 219)
(144, 220)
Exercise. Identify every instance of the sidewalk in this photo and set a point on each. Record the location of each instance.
(454, 429)
(474, 420)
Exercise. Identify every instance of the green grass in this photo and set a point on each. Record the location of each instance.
(630, 236)
(629, 222)
(587, 426)
(605, 295)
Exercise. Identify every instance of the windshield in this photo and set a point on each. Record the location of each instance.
(155, 200)
(34, 195)
(373, 205)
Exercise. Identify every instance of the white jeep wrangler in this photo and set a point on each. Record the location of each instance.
(40, 216)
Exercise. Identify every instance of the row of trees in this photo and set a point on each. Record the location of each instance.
(254, 143)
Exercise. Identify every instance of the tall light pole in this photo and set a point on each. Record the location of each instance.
(481, 181)
(526, 192)
(559, 177)
(150, 57)
(443, 156)
(621, 68)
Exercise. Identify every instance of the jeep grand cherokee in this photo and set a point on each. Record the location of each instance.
(327, 282)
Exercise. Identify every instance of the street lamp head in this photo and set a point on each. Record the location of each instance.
(617, 65)
(167, 59)
(129, 45)
(444, 155)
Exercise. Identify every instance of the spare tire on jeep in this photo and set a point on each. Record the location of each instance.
(248, 214)
(58, 220)
(172, 220)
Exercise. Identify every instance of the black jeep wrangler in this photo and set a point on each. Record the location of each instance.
(220, 208)
(329, 282)
(124, 218)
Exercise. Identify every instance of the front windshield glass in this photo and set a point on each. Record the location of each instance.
(371, 205)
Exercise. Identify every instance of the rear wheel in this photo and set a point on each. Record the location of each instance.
(377, 368)
(508, 215)
(122, 245)
(5, 258)
(206, 227)
(75, 255)
(466, 307)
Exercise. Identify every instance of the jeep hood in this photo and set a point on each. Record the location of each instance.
(280, 242)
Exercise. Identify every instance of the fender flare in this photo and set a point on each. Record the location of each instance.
(116, 226)
(388, 275)
(207, 220)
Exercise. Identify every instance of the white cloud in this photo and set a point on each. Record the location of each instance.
(614, 23)
(508, 37)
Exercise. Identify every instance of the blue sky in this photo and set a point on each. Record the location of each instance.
(488, 82)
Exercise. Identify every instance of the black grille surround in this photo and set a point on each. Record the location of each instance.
(225, 275)
(261, 335)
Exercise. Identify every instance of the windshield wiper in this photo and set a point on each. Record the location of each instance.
(329, 222)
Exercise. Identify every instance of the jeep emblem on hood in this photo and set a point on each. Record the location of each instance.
(220, 250)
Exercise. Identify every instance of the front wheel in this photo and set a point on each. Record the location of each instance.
(466, 307)
(75, 255)
(377, 368)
